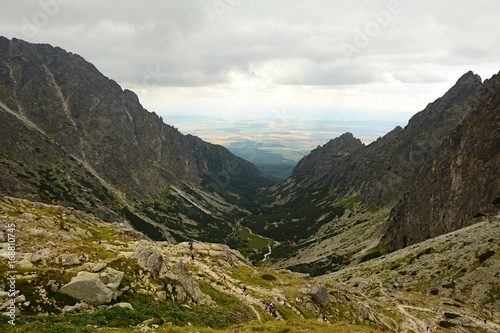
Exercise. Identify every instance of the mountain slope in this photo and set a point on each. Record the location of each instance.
(334, 208)
(459, 182)
(448, 283)
(71, 135)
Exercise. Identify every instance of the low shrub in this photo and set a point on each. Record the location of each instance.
(486, 255)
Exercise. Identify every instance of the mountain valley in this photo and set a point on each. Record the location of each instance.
(399, 234)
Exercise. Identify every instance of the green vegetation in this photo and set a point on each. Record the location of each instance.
(249, 244)
(446, 324)
(350, 202)
(451, 315)
(485, 256)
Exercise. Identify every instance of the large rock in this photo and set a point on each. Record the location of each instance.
(79, 232)
(150, 258)
(69, 259)
(185, 289)
(319, 295)
(94, 288)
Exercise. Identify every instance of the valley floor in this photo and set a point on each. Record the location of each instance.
(448, 284)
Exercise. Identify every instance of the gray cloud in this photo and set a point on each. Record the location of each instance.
(196, 43)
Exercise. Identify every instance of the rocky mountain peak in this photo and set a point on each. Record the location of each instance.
(323, 158)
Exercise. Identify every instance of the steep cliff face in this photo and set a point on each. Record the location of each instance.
(335, 206)
(385, 169)
(460, 181)
(66, 125)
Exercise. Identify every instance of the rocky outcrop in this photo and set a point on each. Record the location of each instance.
(458, 182)
(319, 295)
(94, 288)
(150, 258)
(185, 289)
(322, 160)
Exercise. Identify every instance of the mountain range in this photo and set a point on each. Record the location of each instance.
(71, 136)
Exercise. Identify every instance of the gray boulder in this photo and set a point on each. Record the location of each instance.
(99, 267)
(319, 295)
(69, 259)
(78, 307)
(185, 289)
(94, 288)
(81, 233)
(149, 258)
(112, 278)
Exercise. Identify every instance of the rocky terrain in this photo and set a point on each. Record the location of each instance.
(72, 267)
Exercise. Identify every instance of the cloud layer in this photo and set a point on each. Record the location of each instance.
(220, 46)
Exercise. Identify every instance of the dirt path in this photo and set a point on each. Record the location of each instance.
(411, 322)
(268, 253)
(231, 286)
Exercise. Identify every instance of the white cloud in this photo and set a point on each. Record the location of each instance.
(420, 73)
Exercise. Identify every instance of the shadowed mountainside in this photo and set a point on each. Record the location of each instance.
(415, 183)
(70, 135)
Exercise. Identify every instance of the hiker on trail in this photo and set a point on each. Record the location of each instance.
(244, 290)
(191, 245)
(272, 308)
(192, 256)
(224, 278)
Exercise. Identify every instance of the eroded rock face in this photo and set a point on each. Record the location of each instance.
(457, 183)
(319, 295)
(149, 258)
(94, 288)
(186, 290)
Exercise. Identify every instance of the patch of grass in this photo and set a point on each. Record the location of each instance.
(268, 277)
(250, 245)
(446, 324)
(350, 202)
(450, 315)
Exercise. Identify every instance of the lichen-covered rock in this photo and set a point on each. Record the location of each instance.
(186, 290)
(69, 259)
(150, 258)
(29, 217)
(319, 295)
(78, 307)
(99, 267)
(94, 288)
(124, 305)
(79, 232)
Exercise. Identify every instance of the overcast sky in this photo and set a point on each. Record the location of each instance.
(374, 59)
